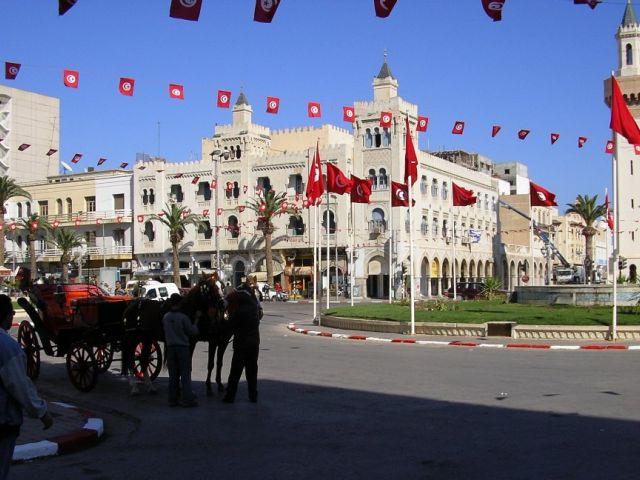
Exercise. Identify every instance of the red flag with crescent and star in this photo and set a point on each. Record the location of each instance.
(384, 7)
(126, 86)
(609, 216)
(410, 157)
(494, 130)
(71, 78)
(11, 70)
(265, 10)
(385, 119)
(462, 197)
(493, 8)
(423, 123)
(185, 9)
(348, 114)
(224, 98)
(522, 134)
(540, 196)
(273, 104)
(313, 110)
(400, 195)
(360, 189)
(554, 138)
(337, 182)
(176, 91)
(315, 183)
(458, 128)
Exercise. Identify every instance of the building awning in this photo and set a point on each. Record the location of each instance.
(299, 271)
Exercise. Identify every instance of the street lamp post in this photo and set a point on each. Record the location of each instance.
(220, 154)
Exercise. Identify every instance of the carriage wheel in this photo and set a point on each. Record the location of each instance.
(28, 339)
(155, 361)
(82, 367)
(103, 353)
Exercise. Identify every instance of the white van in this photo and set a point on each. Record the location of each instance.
(158, 291)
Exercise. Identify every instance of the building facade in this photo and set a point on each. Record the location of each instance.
(29, 135)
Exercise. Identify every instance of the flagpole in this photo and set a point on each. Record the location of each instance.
(315, 265)
(326, 228)
(390, 251)
(453, 242)
(352, 236)
(411, 259)
(606, 195)
(530, 272)
(616, 245)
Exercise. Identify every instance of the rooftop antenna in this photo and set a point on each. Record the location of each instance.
(158, 155)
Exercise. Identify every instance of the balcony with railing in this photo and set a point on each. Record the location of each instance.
(107, 216)
(121, 252)
(377, 227)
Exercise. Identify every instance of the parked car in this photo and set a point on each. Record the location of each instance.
(160, 291)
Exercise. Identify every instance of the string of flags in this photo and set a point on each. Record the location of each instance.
(265, 10)
(126, 87)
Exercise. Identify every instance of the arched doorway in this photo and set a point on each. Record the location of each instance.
(445, 275)
(463, 271)
(239, 271)
(425, 272)
(480, 274)
(377, 278)
(435, 275)
(472, 271)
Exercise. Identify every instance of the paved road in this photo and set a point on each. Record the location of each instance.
(332, 408)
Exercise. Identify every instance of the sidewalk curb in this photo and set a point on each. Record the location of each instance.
(460, 343)
(66, 443)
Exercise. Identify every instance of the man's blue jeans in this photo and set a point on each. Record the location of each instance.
(7, 444)
(179, 365)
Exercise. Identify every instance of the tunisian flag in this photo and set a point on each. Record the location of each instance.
(65, 5)
(315, 184)
(410, 158)
(185, 9)
(71, 78)
(126, 86)
(494, 130)
(609, 216)
(11, 70)
(541, 197)
(273, 104)
(224, 98)
(493, 8)
(337, 182)
(400, 195)
(423, 123)
(265, 10)
(385, 119)
(462, 197)
(360, 190)
(622, 121)
(384, 7)
(349, 114)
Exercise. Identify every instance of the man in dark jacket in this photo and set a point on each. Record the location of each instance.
(244, 312)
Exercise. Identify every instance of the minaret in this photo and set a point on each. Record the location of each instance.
(242, 111)
(628, 37)
(385, 86)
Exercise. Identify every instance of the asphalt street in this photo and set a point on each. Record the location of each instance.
(332, 408)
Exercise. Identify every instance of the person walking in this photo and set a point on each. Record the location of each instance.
(177, 331)
(278, 288)
(17, 392)
(244, 312)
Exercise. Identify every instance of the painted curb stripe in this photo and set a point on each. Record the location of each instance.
(30, 451)
(461, 343)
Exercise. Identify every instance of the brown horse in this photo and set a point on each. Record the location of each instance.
(203, 303)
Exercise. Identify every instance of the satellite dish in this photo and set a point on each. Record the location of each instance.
(66, 166)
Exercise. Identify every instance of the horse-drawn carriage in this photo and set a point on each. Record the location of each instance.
(87, 326)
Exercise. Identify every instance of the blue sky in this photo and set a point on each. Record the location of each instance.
(541, 68)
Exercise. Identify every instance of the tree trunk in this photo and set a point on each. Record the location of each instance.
(588, 233)
(2, 236)
(32, 258)
(64, 260)
(268, 258)
(176, 264)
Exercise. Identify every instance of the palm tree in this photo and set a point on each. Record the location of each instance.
(587, 208)
(8, 190)
(33, 225)
(268, 206)
(65, 240)
(177, 218)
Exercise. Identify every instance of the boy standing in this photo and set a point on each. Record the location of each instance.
(177, 331)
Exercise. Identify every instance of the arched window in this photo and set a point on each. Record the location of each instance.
(373, 178)
(238, 151)
(377, 137)
(152, 197)
(19, 210)
(629, 54)
(204, 230)
(296, 225)
(59, 207)
(386, 137)
(434, 188)
(332, 221)
(232, 226)
(368, 138)
(145, 197)
(382, 178)
(445, 190)
(236, 190)
(69, 206)
(378, 222)
(149, 232)
(424, 225)
(28, 209)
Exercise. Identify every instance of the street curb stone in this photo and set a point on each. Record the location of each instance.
(461, 343)
(69, 442)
